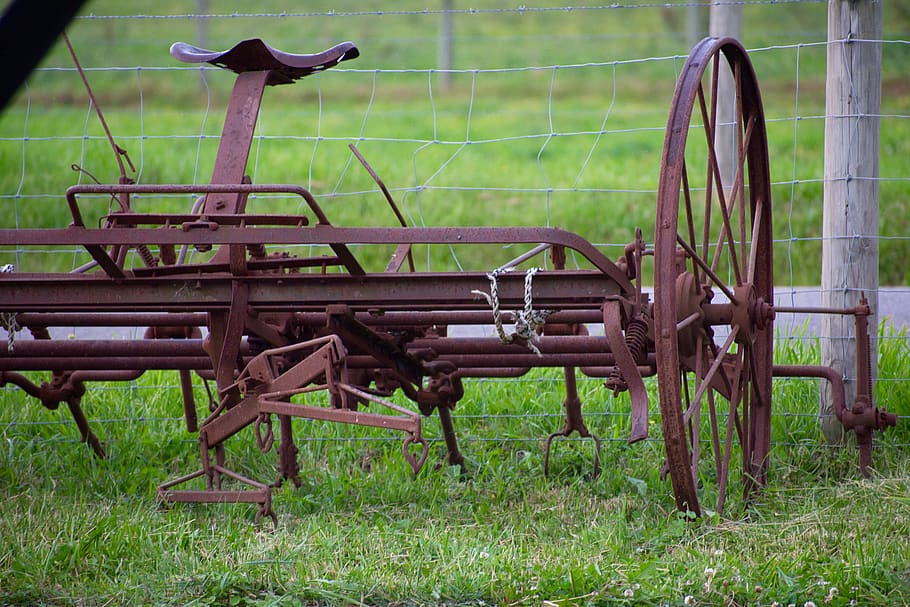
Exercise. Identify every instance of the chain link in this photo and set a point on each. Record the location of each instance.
(264, 440)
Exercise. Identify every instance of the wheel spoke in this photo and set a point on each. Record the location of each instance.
(737, 193)
(727, 230)
(688, 320)
(709, 376)
(690, 221)
(709, 182)
(715, 177)
(736, 399)
(695, 423)
(757, 224)
(725, 234)
(711, 410)
(746, 438)
(713, 167)
(706, 268)
(732, 419)
(757, 389)
(715, 439)
(695, 430)
(749, 480)
(740, 159)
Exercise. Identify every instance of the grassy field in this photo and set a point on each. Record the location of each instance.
(576, 147)
(362, 530)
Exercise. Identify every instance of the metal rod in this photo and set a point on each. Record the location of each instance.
(814, 310)
(707, 270)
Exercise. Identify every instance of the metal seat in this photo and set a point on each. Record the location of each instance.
(254, 55)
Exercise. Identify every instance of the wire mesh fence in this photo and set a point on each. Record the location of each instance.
(548, 115)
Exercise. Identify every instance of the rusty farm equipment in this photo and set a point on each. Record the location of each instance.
(267, 325)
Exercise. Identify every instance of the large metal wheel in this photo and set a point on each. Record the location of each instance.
(713, 287)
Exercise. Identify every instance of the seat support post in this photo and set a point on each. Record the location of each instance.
(236, 138)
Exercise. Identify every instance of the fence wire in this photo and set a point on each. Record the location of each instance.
(587, 90)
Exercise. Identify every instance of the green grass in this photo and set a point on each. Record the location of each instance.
(361, 529)
(77, 530)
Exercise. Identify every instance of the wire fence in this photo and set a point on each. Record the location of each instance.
(548, 115)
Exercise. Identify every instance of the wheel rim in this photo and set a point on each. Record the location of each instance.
(713, 238)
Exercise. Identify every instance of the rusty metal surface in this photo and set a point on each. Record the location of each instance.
(734, 229)
(275, 332)
(254, 55)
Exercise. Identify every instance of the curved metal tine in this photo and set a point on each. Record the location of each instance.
(264, 441)
(596, 455)
(546, 452)
(574, 423)
(74, 403)
(416, 463)
(263, 511)
(565, 434)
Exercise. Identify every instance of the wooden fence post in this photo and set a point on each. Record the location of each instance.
(850, 224)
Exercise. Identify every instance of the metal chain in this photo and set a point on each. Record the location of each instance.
(8, 319)
(526, 321)
(264, 440)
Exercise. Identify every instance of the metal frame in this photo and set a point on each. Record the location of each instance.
(269, 327)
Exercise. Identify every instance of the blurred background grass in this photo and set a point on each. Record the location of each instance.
(551, 117)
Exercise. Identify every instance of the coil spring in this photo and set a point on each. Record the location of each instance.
(636, 342)
(147, 258)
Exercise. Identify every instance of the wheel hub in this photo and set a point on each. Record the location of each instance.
(689, 299)
(750, 313)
